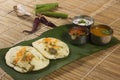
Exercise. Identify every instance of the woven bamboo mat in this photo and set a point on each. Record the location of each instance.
(103, 65)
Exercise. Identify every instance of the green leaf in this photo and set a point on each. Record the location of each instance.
(82, 21)
(106, 31)
(76, 52)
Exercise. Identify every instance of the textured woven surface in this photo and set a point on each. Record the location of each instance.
(103, 65)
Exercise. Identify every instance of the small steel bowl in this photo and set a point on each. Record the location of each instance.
(83, 20)
(101, 40)
(76, 38)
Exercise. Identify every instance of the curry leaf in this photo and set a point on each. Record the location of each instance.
(106, 31)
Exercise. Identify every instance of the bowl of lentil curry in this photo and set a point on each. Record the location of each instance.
(101, 34)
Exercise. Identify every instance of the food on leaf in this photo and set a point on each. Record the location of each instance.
(25, 59)
(82, 22)
(106, 32)
(77, 32)
(101, 31)
(51, 48)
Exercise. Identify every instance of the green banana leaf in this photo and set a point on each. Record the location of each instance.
(76, 52)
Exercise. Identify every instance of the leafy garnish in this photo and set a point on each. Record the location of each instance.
(106, 31)
(82, 21)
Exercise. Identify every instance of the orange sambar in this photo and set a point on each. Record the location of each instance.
(99, 31)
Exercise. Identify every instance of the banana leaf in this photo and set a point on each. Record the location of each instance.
(76, 52)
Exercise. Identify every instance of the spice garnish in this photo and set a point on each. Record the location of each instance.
(36, 23)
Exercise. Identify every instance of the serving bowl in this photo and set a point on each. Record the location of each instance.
(78, 35)
(101, 34)
(83, 20)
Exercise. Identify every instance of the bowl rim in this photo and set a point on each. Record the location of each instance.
(103, 25)
(83, 16)
(86, 29)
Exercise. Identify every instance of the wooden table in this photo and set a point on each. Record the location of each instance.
(103, 65)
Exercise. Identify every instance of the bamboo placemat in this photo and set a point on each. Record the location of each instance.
(103, 65)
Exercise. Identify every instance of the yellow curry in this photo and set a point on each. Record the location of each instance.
(100, 31)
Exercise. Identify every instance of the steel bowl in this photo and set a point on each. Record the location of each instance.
(101, 40)
(77, 39)
(83, 20)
